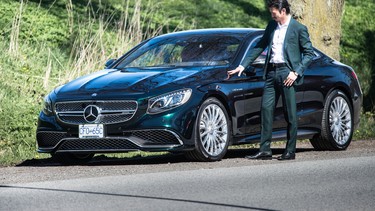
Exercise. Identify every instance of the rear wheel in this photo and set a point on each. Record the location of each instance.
(212, 132)
(72, 158)
(337, 123)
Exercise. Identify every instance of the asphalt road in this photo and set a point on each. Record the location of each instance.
(314, 181)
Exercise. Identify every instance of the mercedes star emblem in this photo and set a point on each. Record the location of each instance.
(91, 113)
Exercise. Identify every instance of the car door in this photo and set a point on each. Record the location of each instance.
(314, 84)
(236, 90)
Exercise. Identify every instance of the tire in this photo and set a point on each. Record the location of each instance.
(211, 132)
(71, 158)
(337, 123)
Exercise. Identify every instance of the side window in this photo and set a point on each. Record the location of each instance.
(262, 57)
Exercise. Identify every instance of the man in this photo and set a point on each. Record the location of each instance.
(289, 53)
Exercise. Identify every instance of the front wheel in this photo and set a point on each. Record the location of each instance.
(337, 123)
(212, 133)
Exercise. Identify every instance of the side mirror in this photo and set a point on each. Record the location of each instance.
(109, 63)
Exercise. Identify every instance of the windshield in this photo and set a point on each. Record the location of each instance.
(202, 50)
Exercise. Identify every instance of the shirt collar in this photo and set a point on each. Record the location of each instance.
(289, 17)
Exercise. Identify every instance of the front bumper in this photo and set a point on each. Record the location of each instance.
(145, 140)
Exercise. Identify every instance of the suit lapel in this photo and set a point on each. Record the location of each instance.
(272, 34)
(268, 58)
(270, 41)
(288, 33)
(286, 40)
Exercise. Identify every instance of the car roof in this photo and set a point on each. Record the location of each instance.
(212, 31)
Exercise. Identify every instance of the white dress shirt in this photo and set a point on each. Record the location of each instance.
(277, 55)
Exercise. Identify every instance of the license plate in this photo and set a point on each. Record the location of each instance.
(91, 131)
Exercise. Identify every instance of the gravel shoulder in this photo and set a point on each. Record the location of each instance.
(37, 170)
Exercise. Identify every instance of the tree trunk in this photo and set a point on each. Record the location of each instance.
(323, 19)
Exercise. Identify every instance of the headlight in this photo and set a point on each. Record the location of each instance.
(47, 108)
(168, 101)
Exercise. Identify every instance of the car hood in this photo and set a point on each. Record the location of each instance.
(128, 82)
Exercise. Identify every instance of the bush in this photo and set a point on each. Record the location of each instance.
(358, 44)
(366, 127)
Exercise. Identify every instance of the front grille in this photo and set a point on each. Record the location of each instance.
(106, 144)
(109, 112)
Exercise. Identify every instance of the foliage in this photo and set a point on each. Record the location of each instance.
(38, 25)
(46, 43)
(217, 13)
(366, 126)
(358, 44)
(21, 94)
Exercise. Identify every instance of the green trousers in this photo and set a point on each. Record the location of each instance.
(273, 89)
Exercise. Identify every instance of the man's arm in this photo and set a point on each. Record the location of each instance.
(253, 53)
(307, 51)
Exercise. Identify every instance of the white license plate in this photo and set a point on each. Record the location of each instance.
(91, 131)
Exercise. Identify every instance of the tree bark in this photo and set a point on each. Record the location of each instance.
(323, 19)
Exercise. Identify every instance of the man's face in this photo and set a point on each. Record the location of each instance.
(277, 15)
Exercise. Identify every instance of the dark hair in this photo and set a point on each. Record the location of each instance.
(279, 4)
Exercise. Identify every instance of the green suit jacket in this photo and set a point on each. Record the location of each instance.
(298, 50)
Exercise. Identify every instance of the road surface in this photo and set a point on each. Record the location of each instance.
(316, 180)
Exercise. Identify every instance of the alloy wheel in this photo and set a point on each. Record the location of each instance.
(213, 130)
(340, 120)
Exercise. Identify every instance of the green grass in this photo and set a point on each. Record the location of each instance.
(21, 97)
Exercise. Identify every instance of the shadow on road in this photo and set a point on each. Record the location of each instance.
(241, 153)
(143, 197)
(103, 160)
